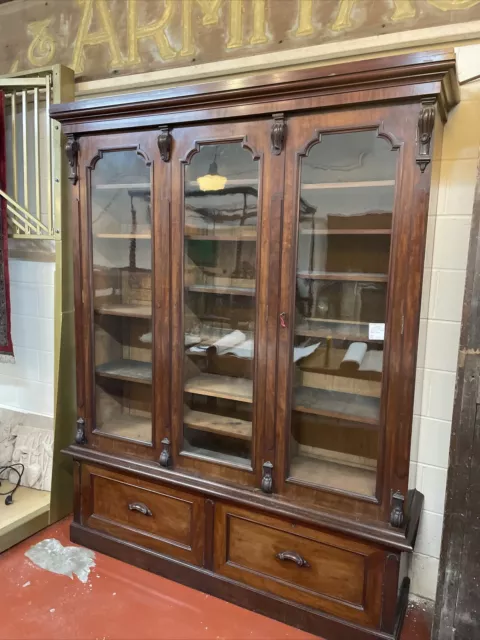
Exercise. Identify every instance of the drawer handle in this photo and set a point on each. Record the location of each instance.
(140, 507)
(293, 556)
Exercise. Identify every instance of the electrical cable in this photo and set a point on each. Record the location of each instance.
(11, 467)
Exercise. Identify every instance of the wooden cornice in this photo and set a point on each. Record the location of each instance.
(435, 71)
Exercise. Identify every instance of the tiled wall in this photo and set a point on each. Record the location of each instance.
(27, 385)
(444, 280)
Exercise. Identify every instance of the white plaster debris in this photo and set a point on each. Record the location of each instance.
(27, 584)
(51, 555)
(52, 610)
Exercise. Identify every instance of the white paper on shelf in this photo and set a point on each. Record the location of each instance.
(355, 353)
(303, 352)
(232, 339)
(244, 350)
(373, 361)
(376, 331)
(147, 337)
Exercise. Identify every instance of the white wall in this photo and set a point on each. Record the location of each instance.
(27, 385)
(444, 281)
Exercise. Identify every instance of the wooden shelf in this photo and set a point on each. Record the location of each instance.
(129, 370)
(128, 426)
(125, 310)
(221, 290)
(29, 506)
(125, 236)
(346, 232)
(215, 456)
(335, 404)
(349, 185)
(360, 277)
(228, 183)
(309, 332)
(224, 237)
(132, 185)
(232, 427)
(209, 384)
(344, 477)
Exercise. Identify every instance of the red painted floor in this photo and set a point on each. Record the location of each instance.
(121, 602)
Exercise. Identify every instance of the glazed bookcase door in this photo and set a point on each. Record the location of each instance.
(220, 187)
(349, 209)
(117, 227)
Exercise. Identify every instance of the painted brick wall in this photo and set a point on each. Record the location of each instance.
(27, 385)
(444, 281)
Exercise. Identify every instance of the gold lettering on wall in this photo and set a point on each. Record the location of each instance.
(202, 30)
(404, 10)
(259, 35)
(304, 25)
(453, 5)
(235, 23)
(235, 28)
(343, 20)
(106, 35)
(155, 30)
(43, 46)
(210, 10)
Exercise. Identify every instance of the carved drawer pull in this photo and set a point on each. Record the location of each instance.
(140, 507)
(293, 556)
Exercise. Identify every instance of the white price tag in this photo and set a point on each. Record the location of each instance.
(376, 331)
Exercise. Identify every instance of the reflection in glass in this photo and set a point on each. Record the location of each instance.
(221, 199)
(122, 295)
(345, 221)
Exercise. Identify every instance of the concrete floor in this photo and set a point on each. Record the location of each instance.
(120, 602)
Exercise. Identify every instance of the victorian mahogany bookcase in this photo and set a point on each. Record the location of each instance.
(248, 271)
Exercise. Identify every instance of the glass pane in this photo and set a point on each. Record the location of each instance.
(345, 222)
(221, 195)
(122, 290)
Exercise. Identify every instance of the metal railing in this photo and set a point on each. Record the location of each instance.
(30, 157)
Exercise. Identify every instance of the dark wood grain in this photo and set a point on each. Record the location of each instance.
(175, 524)
(382, 72)
(337, 580)
(203, 519)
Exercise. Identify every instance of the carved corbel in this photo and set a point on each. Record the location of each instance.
(426, 121)
(72, 148)
(278, 133)
(164, 142)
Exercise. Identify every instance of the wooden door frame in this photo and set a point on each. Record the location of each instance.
(459, 554)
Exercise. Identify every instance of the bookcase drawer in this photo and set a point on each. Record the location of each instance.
(315, 568)
(167, 520)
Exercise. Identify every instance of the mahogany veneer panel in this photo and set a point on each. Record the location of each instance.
(174, 525)
(344, 577)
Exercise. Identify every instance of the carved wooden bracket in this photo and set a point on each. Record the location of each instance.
(72, 148)
(80, 437)
(426, 121)
(267, 479)
(397, 516)
(165, 457)
(278, 134)
(164, 142)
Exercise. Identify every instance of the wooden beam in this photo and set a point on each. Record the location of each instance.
(457, 613)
